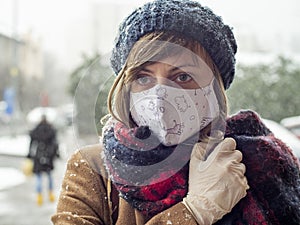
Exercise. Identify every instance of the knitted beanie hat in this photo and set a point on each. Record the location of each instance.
(185, 17)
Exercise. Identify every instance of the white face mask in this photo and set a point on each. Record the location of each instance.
(174, 114)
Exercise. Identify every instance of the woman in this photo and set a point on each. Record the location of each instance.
(169, 150)
(43, 150)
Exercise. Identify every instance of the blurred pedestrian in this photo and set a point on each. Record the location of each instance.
(43, 150)
(169, 152)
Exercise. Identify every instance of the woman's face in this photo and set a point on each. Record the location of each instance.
(185, 70)
(174, 97)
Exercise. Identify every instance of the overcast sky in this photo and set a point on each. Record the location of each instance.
(50, 20)
(44, 15)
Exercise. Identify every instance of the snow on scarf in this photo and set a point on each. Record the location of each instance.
(148, 175)
(272, 171)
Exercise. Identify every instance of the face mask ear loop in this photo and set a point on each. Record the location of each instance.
(222, 104)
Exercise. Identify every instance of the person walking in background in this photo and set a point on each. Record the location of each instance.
(170, 153)
(43, 150)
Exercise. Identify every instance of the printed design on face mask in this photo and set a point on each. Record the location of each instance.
(207, 91)
(162, 109)
(176, 129)
(157, 112)
(205, 121)
(174, 114)
(161, 92)
(152, 107)
(181, 103)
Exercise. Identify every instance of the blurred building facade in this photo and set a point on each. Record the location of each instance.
(87, 27)
(21, 64)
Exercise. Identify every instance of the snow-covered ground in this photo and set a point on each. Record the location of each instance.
(10, 177)
(14, 145)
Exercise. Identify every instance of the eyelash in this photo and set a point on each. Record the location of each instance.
(140, 77)
(176, 76)
(188, 76)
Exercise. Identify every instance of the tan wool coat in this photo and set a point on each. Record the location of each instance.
(88, 197)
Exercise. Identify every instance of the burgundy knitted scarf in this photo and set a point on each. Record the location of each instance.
(151, 177)
(272, 171)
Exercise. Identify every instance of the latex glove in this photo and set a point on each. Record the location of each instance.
(216, 184)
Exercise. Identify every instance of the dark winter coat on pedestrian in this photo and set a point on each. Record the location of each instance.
(88, 197)
(43, 147)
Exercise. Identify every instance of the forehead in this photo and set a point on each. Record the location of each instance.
(184, 60)
(184, 56)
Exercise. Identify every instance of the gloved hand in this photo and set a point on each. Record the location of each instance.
(216, 184)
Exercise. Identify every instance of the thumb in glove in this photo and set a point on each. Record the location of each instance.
(216, 183)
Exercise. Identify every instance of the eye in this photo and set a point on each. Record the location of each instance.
(143, 80)
(183, 77)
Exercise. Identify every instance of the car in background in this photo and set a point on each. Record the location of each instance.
(289, 138)
(60, 117)
(293, 124)
(35, 115)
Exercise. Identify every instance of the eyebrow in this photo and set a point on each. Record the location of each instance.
(181, 67)
(173, 69)
(185, 65)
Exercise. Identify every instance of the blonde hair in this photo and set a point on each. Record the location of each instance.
(152, 47)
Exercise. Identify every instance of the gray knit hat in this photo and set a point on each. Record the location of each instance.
(185, 17)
